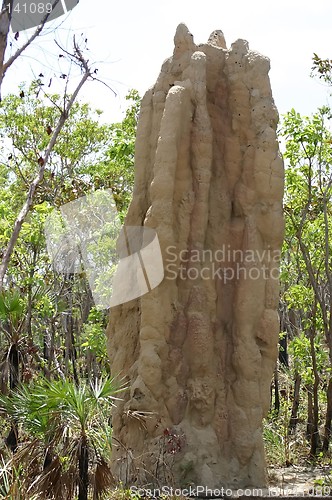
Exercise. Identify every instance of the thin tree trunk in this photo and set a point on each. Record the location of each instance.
(74, 359)
(83, 465)
(328, 418)
(310, 416)
(295, 406)
(276, 392)
(315, 438)
(5, 18)
(28, 320)
(46, 353)
(13, 359)
(70, 353)
(283, 352)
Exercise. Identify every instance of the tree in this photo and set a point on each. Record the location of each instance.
(54, 150)
(5, 20)
(58, 332)
(52, 147)
(307, 277)
(117, 170)
(43, 160)
(322, 68)
(75, 58)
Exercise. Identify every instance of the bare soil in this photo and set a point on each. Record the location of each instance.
(300, 481)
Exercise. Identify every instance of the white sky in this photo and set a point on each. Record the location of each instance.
(130, 40)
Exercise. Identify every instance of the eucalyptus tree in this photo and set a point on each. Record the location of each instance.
(307, 273)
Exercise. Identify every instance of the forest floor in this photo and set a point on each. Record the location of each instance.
(300, 481)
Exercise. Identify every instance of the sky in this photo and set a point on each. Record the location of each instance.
(129, 40)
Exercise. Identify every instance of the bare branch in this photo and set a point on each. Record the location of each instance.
(4, 30)
(79, 58)
(5, 19)
(104, 83)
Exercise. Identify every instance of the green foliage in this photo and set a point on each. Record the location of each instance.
(308, 239)
(299, 349)
(306, 262)
(87, 156)
(323, 68)
(93, 336)
(281, 446)
(11, 306)
(58, 417)
(299, 296)
(117, 170)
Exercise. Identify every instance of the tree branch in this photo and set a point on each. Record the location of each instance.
(5, 19)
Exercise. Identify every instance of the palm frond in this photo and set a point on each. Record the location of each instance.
(103, 479)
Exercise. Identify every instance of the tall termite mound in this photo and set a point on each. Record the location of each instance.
(198, 351)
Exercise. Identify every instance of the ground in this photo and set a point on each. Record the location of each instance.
(300, 481)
